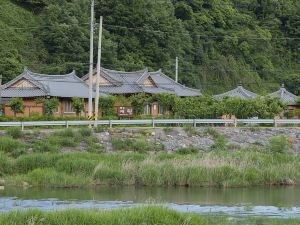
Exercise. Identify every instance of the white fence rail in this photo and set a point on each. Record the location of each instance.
(153, 122)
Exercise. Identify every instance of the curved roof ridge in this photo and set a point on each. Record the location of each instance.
(49, 75)
(238, 91)
(160, 73)
(131, 72)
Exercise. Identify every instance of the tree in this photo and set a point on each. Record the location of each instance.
(166, 100)
(107, 105)
(138, 102)
(50, 106)
(78, 105)
(17, 105)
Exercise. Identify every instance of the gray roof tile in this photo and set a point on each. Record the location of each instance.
(238, 92)
(285, 96)
(133, 82)
(66, 86)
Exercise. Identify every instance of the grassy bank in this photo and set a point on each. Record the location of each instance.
(135, 216)
(69, 158)
(224, 169)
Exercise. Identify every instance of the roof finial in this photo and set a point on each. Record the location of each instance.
(240, 84)
(25, 68)
(282, 85)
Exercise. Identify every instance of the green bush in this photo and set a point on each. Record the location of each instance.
(187, 151)
(11, 146)
(14, 132)
(85, 132)
(279, 144)
(131, 145)
(65, 133)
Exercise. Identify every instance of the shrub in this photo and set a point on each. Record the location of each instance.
(85, 132)
(50, 106)
(131, 145)
(279, 144)
(65, 133)
(138, 101)
(17, 105)
(15, 132)
(107, 105)
(78, 105)
(99, 129)
(187, 151)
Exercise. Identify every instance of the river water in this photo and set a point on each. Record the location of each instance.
(280, 202)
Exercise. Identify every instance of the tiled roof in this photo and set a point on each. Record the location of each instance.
(285, 96)
(67, 86)
(238, 92)
(133, 82)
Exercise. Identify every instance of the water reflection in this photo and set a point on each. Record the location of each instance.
(272, 202)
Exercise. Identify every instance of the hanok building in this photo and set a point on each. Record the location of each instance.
(114, 82)
(30, 86)
(287, 98)
(240, 92)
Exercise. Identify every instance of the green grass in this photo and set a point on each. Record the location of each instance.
(151, 215)
(12, 147)
(139, 162)
(220, 169)
(14, 132)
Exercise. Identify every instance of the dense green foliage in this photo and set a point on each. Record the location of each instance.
(219, 42)
(50, 106)
(16, 105)
(107, 105)
(151, 215)
(204, 107)
(78, 105)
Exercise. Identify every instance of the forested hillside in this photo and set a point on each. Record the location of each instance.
(219, 42)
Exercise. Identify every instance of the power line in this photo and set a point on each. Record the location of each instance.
(157, 31)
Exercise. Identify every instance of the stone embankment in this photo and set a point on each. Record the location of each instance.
(202, 138)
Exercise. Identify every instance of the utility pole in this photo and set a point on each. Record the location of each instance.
(98, 72)
(90, 104)
(176, 71)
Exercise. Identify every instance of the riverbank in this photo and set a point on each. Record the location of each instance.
(220, 168)
(133, 216)
(76, 158)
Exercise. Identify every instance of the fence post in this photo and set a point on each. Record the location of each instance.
(153, 123)
(235, 123)
(194, 122)
(22, 126)
(110, 124)
(275, 123)
(67, 124)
